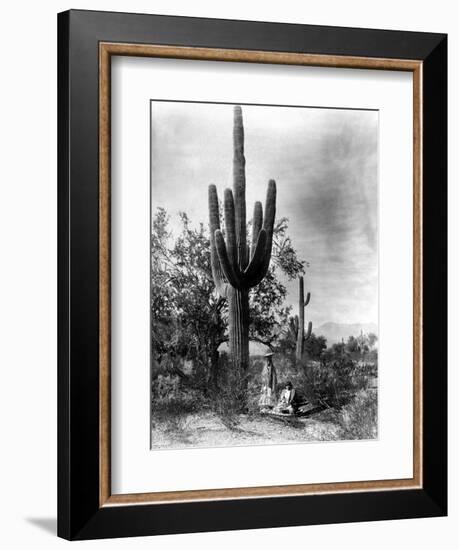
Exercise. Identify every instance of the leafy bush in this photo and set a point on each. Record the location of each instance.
(334, 381)
(359, 418)
(170, 415)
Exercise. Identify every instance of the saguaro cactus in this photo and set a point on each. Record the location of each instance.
(236, 266)
(301, 338)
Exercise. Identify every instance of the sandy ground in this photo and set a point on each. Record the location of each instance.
(209, 430)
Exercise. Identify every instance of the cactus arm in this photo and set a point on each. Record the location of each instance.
(268, 226)
(257, 224)
(228, 271)
(308, 297)
(256, 262)
(270, 214)
(309, 332)
(214, 223)
(300, 295)
(231, 243)
(214, 214)
(239, 187)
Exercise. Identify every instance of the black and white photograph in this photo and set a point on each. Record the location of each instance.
(264, 274)
(228, 286)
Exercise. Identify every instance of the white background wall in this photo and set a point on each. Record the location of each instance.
(28, 270)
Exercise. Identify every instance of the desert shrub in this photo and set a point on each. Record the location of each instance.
(359, 418)
(173, 407)
(228, 397)
(227, 405)
(171, 396)
(333, 381)
(231, 398)
(170, 415)
(237, 393)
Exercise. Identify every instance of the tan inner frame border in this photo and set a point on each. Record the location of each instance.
(106, 51)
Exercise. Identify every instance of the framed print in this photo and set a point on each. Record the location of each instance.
(252, 275)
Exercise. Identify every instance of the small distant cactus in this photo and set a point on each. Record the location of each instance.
(301, 337)
(236, 266)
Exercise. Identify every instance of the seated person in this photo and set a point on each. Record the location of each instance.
(286, 403)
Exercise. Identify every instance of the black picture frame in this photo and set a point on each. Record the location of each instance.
(80, 515)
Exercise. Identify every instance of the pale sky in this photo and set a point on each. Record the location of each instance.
(324, 162)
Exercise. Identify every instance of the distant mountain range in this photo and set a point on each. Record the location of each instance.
(335, 332)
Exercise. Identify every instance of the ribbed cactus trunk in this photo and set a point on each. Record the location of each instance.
(301, 338)
(236, 266)
(239, 320)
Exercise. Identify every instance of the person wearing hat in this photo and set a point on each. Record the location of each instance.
(268, 395)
